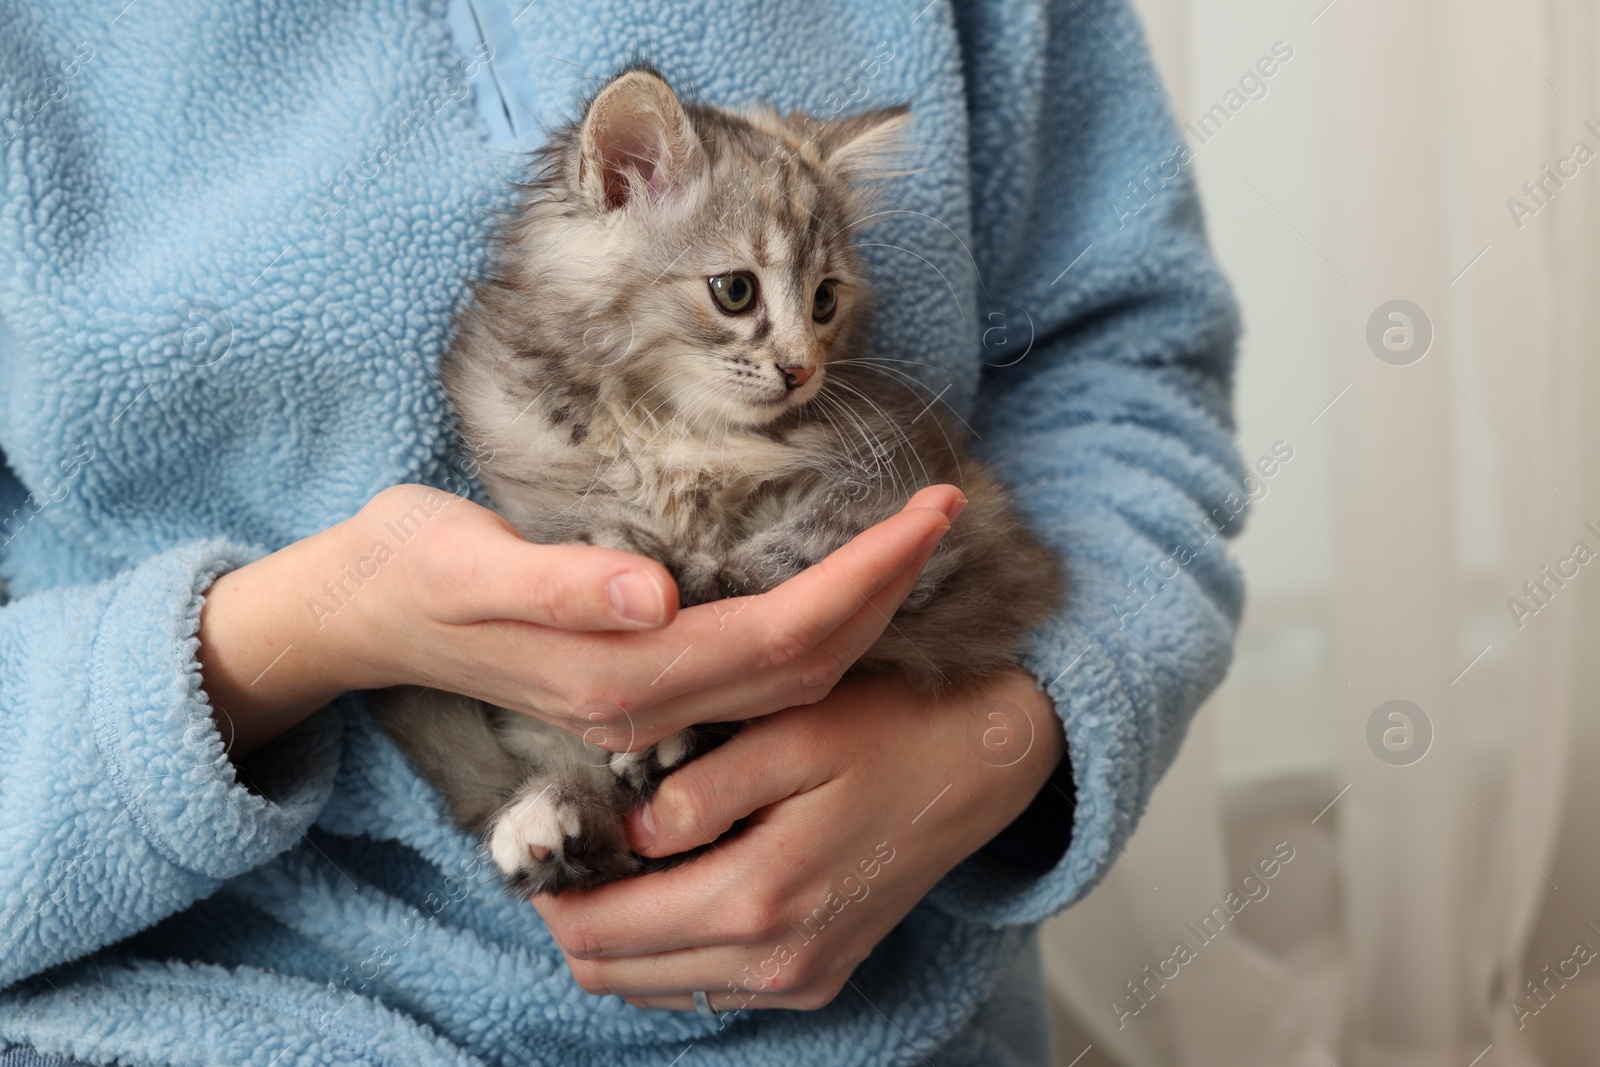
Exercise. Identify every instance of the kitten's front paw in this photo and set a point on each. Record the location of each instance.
(643, 769)
(553, 837)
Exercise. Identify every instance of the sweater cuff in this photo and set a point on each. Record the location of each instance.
(1109, 774)
(1036, 840)
(157, 739)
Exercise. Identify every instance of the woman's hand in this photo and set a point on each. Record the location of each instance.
(423, 587)
(861, 803)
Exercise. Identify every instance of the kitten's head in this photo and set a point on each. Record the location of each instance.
(700, 257)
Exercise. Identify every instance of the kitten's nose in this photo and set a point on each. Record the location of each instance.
(796, 375)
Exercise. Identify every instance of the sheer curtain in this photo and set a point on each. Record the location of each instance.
(1416, 288)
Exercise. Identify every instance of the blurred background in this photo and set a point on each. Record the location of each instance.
(1407, 207)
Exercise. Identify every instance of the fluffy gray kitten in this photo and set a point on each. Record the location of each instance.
(669, 359)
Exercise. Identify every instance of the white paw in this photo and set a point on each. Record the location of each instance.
(670, 751)
(631, 767)
(635, 767)
(531, 830)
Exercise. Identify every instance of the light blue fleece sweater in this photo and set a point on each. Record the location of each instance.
(232, 238)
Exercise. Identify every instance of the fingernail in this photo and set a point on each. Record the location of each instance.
(642, 828)
(956, 507)
(933, 538)
(637, 598)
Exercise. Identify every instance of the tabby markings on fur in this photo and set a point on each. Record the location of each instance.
(669, 359)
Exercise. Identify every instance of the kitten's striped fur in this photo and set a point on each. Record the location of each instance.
(618, 404)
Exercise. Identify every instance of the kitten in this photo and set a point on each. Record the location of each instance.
(669, 360)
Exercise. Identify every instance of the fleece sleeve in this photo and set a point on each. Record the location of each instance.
(1107, 409)
(118, 803)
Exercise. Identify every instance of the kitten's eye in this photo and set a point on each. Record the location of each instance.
(734, 292)
(825, 300)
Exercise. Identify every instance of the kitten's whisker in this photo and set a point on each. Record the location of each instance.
(727, 430)
(888, 359)
(648, 419)
(927, 478)
(915, 383)
(723, 425)
(825, 412)
(828, 404)
(685, 407)
(931, 266)
(726, 420)
(721, 422)
(923, 214)
(669, 398)
(844, 441)
(882, 455)
(911, 297)
(844, 468)
(705, 394)
(909, 382)
(841, 383)
(640, 398)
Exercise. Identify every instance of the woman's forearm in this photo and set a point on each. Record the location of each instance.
(270, 650)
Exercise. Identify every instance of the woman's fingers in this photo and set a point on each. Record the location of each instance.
(942, 497)
(753, 694)
(722, 641)
(698, 802)
(720, 1000)
(726, 659)
(470, 565)
(724, 921)
(567, 587)
(689, 906)
(662, 976)
(863, 566)
(848, 642)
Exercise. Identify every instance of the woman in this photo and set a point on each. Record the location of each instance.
(233, 244)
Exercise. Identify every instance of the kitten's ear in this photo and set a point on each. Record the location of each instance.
(865, 146)
(635, 140)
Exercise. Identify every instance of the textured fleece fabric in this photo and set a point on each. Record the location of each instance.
(232, 240)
